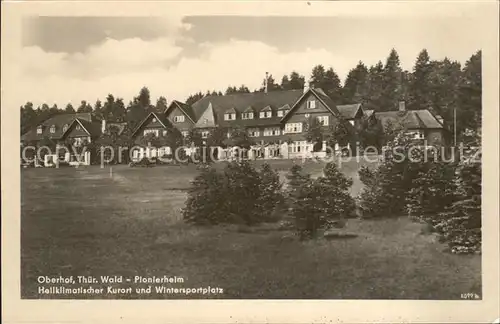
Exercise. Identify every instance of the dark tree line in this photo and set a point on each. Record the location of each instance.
(442, 86)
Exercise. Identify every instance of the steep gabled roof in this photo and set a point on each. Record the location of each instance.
(249, 109)
(161, 117)
(321, 96)
(267, 108)
(185, 108)
(207, 119)
(58, 121)
(349, 111)
(411, 119)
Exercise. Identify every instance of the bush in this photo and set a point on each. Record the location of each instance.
(386, 188)
(271, 199)
(321, 203)
(238, 195)
(433, 190)
(206, 198)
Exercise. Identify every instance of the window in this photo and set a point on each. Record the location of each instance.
(185, 133)
(280, 113)
(178, 119)
(352, 122)
(52, 129)
(230, 116)
(271, 131)
(311, 104)
(265, 114)
(39, 130)
(164, 133)
(205, 121)
(78, 127)
(204, 134)
(151, 131)
(247, 115)
(323, 120)
(253, 132)
(153, 120)
(293, 128)
(65, 127)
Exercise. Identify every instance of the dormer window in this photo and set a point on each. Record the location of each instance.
(247, 115)
(39, 130)
(230, 116)
(311, 104)
(52, 129)
(266, 114)
(65, 127)
(178, 119)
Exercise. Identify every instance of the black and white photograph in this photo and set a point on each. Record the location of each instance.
(257, 156)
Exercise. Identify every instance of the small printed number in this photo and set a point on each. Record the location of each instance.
(469, 296)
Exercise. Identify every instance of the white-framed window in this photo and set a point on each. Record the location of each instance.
(185, 133)
(265, 114)
(247, 115)
(78, 127)
(178, 119)
(281, 113)
(293, 128)
(253, 132)
(39, 130)
(352, 122)
(231, 116)
(164, 132)
(52, 129)
(153, 120)
(228, 135)
(416, 134)
(65, 127)
(205, 121)
(151, 131)
(311, 104)
(323, 120)
(205, 134)
(273, 131)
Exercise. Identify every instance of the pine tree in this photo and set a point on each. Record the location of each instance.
(374, 97)
(206, 198)
(419, 92)
(98, 110)
(318, 76)
(355, 88)
(297, 81)
(392, 82)
(470, 94)
(332, 85)
(69, 109)
(161, 104)
(314, 133)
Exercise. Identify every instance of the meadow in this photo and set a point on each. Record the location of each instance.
(92, 221)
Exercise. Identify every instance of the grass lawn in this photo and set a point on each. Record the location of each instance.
(85, 222)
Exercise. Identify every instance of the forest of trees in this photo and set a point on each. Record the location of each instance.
(439, 85)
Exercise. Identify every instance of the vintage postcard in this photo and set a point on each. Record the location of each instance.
(208, 161)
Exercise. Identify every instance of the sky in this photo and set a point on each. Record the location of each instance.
(69, 59)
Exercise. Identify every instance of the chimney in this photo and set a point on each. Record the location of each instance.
(306, 86)
(402, 106)
(265, 82)
(103, 126)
